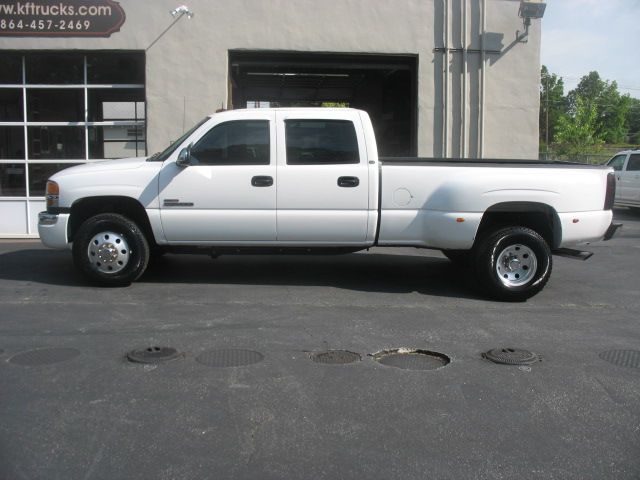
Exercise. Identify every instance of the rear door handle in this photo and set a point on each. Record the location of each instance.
(262, 181)
(348, 182)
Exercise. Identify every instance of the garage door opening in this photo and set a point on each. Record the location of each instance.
(385, 86)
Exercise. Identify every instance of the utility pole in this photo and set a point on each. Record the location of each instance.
(547, 118)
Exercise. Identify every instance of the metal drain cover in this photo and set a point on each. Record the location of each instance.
(511, 356)
(153, 355)
(229, 357)
(335, 357)
(622, 358)
(44, 356)
(411, 359)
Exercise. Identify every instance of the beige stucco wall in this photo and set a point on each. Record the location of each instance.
(187, 65)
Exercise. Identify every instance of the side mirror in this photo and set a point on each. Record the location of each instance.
(184, 157)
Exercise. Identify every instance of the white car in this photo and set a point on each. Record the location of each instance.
(310, 181)
(626, 165)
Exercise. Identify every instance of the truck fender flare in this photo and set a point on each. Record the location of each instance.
(537, 216)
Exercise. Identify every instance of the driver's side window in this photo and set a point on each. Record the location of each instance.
(237, 142)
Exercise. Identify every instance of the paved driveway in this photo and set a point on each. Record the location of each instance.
(98, 416)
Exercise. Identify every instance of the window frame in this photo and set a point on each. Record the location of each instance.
(25, 86)
(230, 164)
(624, 160)
(354, 131)
(633, 156)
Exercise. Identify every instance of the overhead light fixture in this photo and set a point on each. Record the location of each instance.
(529, 9)
(532, 9)
(181, 10)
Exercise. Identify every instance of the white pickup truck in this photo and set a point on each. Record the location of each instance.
(310, 181)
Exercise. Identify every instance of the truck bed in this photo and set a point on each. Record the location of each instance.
(485, 162)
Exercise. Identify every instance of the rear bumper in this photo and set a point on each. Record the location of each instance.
(611, 231)
(579, 228)
(52, 229)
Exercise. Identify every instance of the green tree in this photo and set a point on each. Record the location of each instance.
(577, 132)
(611, 107)
(633, 121)
(552, 104)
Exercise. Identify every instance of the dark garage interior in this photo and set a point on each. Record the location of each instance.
(383, 85)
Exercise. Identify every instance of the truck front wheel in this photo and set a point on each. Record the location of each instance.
(111, 250)
(513, 263)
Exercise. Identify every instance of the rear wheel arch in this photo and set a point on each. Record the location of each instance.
(539, 217)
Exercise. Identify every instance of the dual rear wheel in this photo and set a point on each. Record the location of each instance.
(512, 263)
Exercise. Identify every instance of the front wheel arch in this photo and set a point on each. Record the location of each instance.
(87, 207)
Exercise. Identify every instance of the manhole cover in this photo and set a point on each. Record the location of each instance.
(335, 357)
(152, 355)
(229, 357)
(412, 359)
(511, 356)
(622, 358)
(44, 356)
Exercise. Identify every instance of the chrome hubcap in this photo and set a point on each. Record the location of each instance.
(516, 265)
(108, 252)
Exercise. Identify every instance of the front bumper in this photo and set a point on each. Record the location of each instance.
(52, 229)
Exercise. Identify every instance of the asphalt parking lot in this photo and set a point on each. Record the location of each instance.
(98, 416)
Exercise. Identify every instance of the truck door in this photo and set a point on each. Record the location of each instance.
(323, 178)
(228, 193)
(617, 163)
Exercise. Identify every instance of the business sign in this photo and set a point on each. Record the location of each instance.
(60, 18)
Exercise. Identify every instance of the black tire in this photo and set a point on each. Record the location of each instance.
(127, 268)
(502, 281)
(460, 258)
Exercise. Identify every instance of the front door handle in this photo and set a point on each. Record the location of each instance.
(348, 182)
(262, 181)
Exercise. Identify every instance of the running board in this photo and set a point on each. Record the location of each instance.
(571, 253)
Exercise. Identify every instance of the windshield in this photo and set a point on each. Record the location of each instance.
(162, 156)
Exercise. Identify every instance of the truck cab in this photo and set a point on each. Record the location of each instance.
(267, 177)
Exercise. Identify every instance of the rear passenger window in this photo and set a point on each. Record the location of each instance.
(617, 162)
(239, 142)
(321, 142)
(634, 162)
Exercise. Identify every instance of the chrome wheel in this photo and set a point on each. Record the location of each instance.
(108, 252)
(516, 265)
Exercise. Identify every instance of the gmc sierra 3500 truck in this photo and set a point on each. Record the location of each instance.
(309, 180)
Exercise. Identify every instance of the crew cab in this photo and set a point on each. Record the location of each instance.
(626, 165)
(310, 181)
